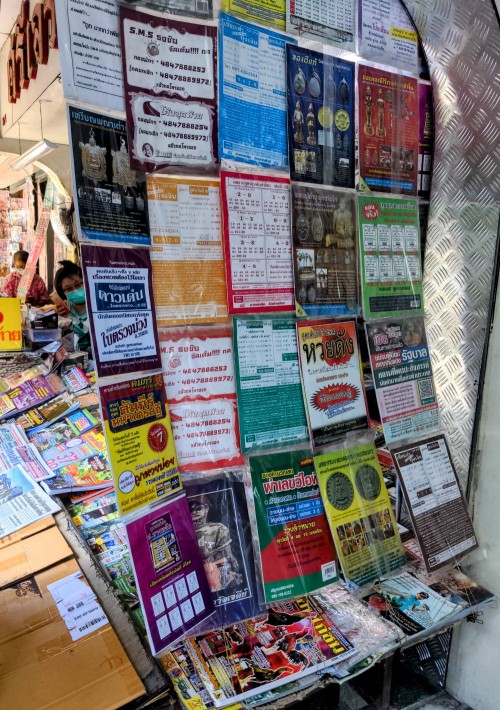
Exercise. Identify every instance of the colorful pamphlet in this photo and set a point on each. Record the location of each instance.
(221, 520)
(257, 243)
(141, 447)
(325, 254)
(391, 269)
(171, 582)
(388, 131)
(186, 233)
(199, 377)
(434, 501)
(296, 549)
(401, 366)
(270, 403)
(320, 91)
(359, 512)
(331, 379)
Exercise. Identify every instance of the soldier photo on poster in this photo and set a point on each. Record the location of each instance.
(110, 197)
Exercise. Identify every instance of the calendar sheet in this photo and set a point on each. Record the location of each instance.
(257, 243)
(434, 500)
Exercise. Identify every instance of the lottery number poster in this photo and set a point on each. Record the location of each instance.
(257, 243)
(331, 379)
(320, 92)
(388, 131)
(325, 257)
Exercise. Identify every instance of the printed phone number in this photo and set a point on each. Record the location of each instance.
(184, 67)
(185, 136)
(186, 79)
(187, 126)
(207, 380)
(198, 370)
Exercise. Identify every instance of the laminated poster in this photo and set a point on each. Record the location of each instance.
(220, 517)
(388, 131)
(401, 366)
(325, 258)
(434, 500)
(22, 501)
(264, 12)
(140, 442)
(171, 581)
(320, 90)
(270, 402)
(391, 269)
(330, 22)
(198, 370)
(169, 69)
(186, 254)
(89, 46)
(257, 243)
(331, 379)
(252, 84)
(426, 138)
(110, 197)
(121, 309)
(387, 34)
(359, 512)
(296, 549)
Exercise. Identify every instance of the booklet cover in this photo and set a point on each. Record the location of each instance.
(296, 548)
(270, 402)
(359, 512)
(220, 517)
(402, 375)
(171, 581)
(331, 379)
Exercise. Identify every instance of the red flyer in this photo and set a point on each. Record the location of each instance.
(198, 369)
(388, 131)
(257, 243)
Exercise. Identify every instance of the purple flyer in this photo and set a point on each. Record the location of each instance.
(171, 581)
(121, 309)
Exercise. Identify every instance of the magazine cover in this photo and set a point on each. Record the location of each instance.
(359, 512)
(76, 449)
(198, 370)
(331, 379)
(22, 501)
(170, 97)
(388, 131)
(434, 501)
(292, 639)
(88, 474)
(320, 90)
(257, 243)
(219, 512)
(402, 375)
(296, 549)
(270, 403)
(141, 447)
(391, 269)
(110, 197)
(410, 604)
(32, 393)
(171, 581)
(325, 258)
(120, 305)
(38, 418)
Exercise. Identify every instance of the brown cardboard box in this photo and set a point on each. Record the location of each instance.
(26, 557)
(27, 531)
(41, 667)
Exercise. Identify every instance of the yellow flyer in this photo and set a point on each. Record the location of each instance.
(140, 442)
(10, 324)
(267, 12)
(359, 512)
(189, 281)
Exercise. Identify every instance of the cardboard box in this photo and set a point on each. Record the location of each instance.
(29, 530)
(28, 556)
(41, 667)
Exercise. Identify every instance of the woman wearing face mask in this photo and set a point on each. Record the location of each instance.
(37, 294)
(68, 283)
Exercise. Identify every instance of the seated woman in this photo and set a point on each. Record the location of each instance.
(68, 283)
(37, 294)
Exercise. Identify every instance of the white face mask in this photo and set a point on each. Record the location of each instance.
(19, 270)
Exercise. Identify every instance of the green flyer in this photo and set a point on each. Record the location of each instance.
(296, 548)
(391, 268)
(271, 407)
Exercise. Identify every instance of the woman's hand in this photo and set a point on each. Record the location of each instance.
(62, 309)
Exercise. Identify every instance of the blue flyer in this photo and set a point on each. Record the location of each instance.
(252, 85)
(320, 117)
